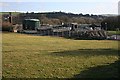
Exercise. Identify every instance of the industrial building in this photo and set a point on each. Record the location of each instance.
(31, 24)
(72, 30)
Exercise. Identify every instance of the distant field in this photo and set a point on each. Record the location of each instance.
(26, 56)
(13, 13)
(113, 32)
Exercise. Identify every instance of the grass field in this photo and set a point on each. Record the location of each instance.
(13, 13)
(113, 32)
(26, 56)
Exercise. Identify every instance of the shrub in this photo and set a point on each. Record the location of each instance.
(6, 26)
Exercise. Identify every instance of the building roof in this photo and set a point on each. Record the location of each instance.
(33, 19)
(62, 29)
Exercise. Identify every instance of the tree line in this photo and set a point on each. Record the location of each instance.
(111, 23)
(56, 18)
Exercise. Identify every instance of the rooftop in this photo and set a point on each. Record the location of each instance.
(33, 19)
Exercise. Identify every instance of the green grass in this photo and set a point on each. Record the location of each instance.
(26, 56)
(113, 32)
(13, 13)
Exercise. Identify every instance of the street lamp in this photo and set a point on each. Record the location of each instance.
(106, 29)
(105, 26)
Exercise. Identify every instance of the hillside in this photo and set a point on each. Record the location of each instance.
(57, 17)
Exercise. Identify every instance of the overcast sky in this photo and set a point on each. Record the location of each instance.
(73, 6)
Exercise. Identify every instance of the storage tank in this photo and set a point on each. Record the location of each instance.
(31, 24)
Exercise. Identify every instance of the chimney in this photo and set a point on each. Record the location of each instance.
(10, 17)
